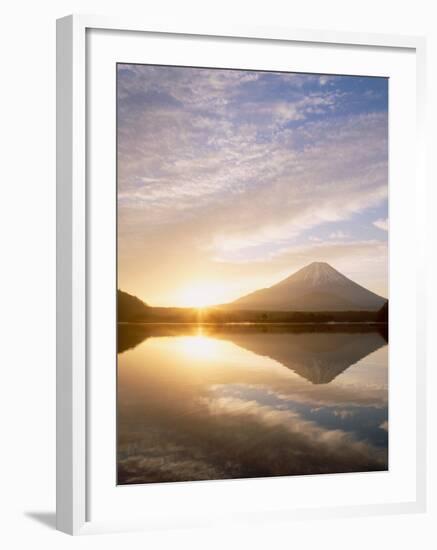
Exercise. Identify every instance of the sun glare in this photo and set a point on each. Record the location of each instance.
(201, 347)
(201, 295)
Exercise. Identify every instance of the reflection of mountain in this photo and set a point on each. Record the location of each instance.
(319, 357)
(316, 287)
(129, 336)
(314, 353)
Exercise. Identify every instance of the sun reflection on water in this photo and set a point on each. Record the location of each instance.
(198, 403)
(201, 347)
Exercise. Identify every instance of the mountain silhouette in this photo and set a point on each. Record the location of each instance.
(130, 308)
(316, 287)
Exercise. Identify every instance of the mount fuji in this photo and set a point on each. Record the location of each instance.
(316, 287)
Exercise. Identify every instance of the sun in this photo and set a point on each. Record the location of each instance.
(201, 295)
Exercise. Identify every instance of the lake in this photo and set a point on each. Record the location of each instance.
(203, 402)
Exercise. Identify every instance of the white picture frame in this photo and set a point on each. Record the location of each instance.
(73, 211)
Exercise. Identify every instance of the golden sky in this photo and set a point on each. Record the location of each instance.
(229, 181)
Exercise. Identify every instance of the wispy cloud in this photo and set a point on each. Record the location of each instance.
(339, 234)
(381, 224)
(226, 163)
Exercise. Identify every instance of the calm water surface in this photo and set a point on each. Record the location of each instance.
(210, 402)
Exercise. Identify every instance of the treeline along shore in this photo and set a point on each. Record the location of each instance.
(131, 309)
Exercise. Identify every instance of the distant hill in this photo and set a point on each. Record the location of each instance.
(315, 294)
(316, 287)
(130, 308)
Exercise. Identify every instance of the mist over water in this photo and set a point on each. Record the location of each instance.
(199, 402)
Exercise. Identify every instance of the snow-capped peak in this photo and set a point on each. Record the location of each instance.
(318, 273)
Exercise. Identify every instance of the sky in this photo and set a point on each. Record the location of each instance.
(231, 180)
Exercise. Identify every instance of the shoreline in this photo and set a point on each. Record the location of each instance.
(250, 323)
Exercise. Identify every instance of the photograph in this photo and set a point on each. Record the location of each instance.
(252, 273)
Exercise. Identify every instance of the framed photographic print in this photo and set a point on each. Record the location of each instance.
(240, 275)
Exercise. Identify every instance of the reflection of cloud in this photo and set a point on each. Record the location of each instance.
(261, 353)
(181, 419)
(163, 462)
(384, 426)
(292, 422)
(297, 391)
(213, 445)
(344, 413)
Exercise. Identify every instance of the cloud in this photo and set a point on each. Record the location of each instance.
(294, 256)
(381, 224)
(234, 166)
(338, 235)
